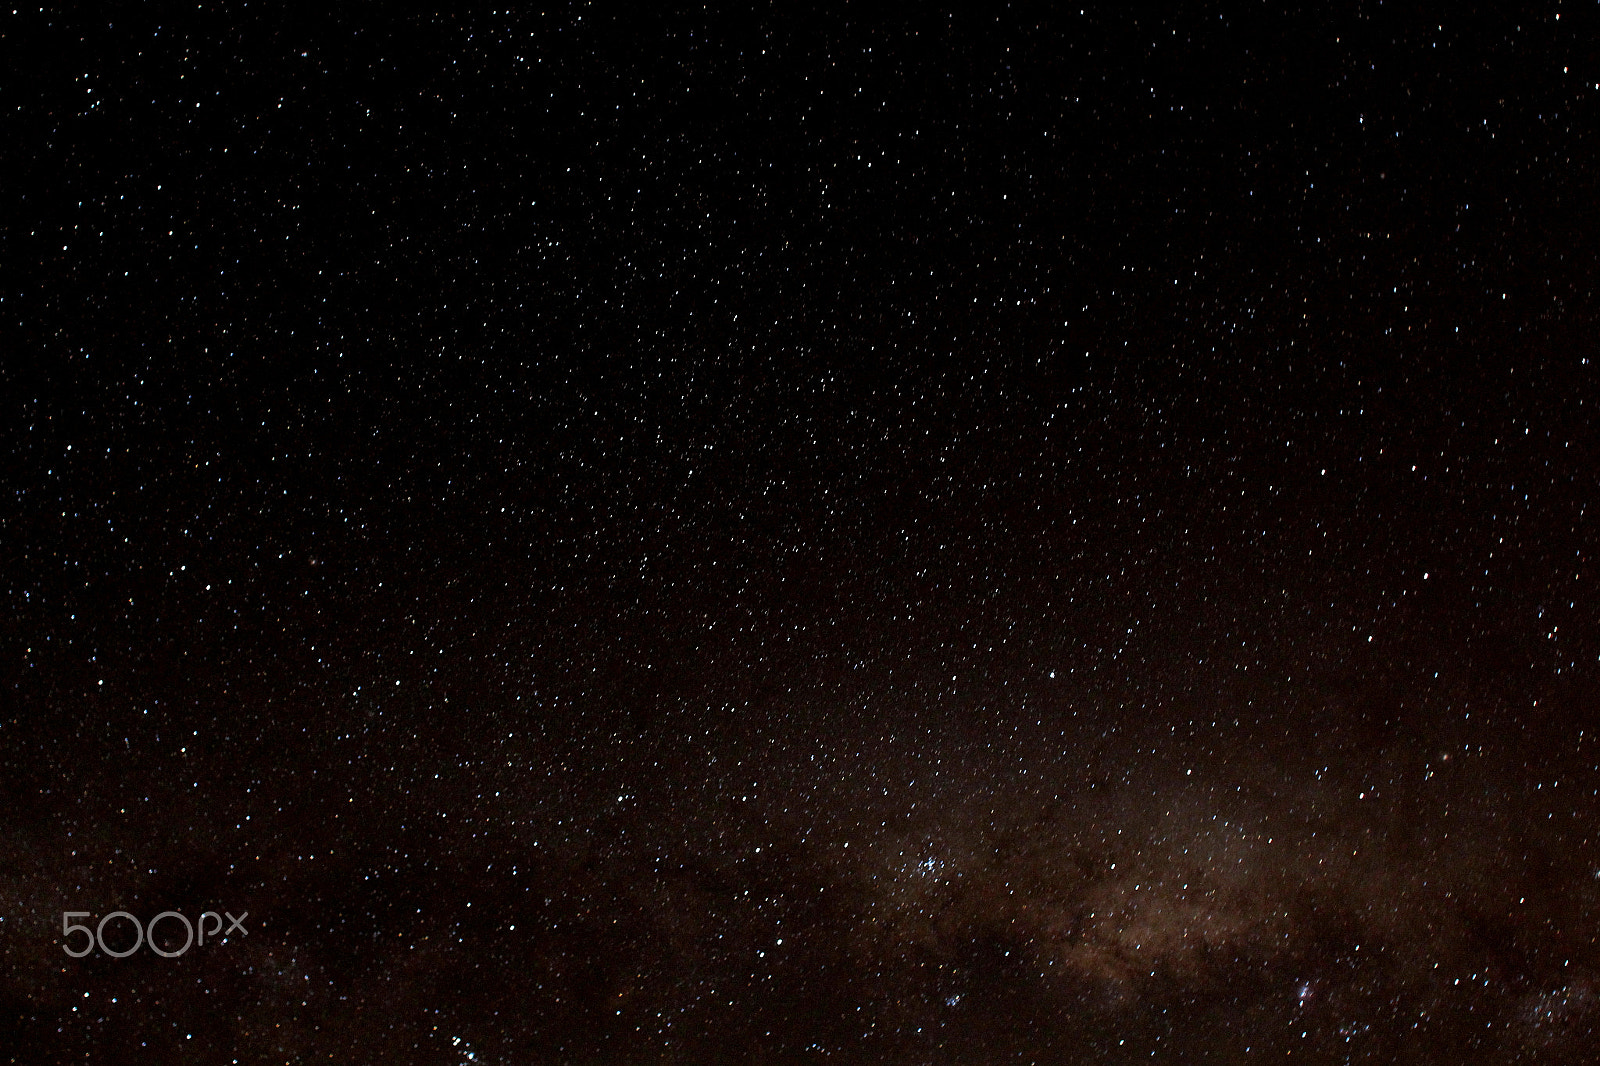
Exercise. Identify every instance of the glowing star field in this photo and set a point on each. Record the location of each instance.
(785, 535)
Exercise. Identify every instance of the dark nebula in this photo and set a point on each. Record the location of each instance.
(608, 536)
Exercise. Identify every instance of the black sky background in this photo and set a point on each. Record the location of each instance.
(595, 465)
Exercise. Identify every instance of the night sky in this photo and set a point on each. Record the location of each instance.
(795, 536)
